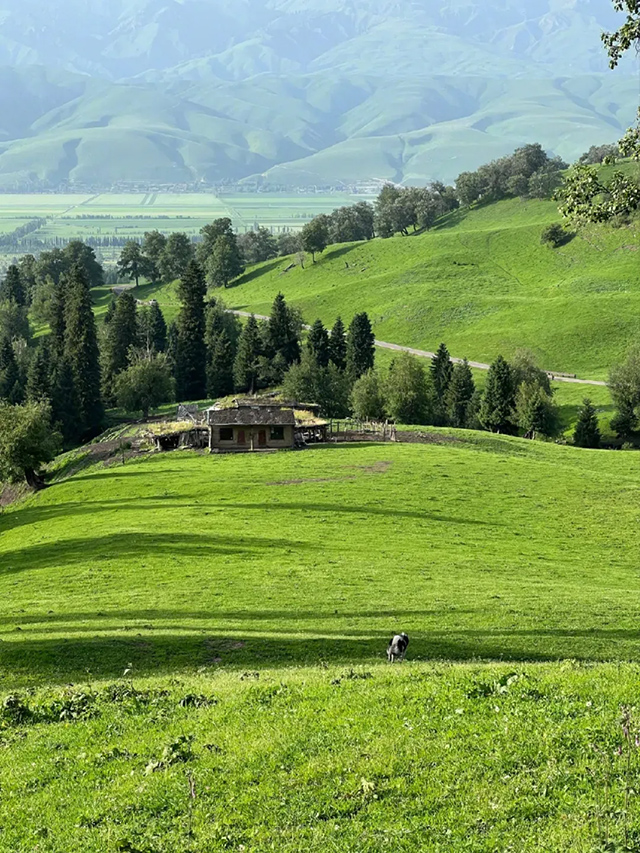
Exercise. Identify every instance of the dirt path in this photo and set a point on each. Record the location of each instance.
(557, 377)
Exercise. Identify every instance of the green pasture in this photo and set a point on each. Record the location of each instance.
(479, 546)
(416, 757)
(194, 649)
(483, 283)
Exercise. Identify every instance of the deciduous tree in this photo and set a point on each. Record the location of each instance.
(27, 441)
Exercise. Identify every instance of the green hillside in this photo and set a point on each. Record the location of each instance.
(248, 601)
(482, 282)
(298, 93)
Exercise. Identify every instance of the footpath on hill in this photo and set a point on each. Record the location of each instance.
(558, 377)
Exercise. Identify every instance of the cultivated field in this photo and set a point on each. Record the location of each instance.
(241, 606)
(128, 216)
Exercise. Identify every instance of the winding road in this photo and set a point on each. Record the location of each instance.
(557, 377)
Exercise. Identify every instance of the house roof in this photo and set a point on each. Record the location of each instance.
(251, 416)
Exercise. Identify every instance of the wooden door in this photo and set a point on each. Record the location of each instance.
(262, 438)
(242, 438)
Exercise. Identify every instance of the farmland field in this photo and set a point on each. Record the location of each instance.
(224, 621)
(128, 216)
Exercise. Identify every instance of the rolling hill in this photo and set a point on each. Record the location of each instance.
(481, 281)
(191, 650)
(298, 93)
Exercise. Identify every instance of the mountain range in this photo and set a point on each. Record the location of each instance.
(298, 92)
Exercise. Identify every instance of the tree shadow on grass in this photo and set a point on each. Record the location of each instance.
(54, 660)
(253, 274)
(139, 545)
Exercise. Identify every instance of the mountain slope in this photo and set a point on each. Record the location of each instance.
(298, 91)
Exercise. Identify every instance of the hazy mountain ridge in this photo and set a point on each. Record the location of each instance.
(304, 91)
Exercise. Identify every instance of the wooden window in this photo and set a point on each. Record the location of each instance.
(226, 433)
(277, 433)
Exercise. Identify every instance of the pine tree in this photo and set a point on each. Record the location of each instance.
(441, 373)
(360, 347)
(222, 333)
(64, 402)
(10, 386)
(220, 366)
(81, 350)
(152, 329)
(535, 412)
(58, 318)
(246, 368)
(120, 335)
(191, 355)
(12, 288)
(459, 395)
(338, 345)
(497, 404)
(282, 334)
(318, 343)
(587, 431)
(39, 379)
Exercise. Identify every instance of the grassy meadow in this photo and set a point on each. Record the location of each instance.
(482, 282)
(223, 623)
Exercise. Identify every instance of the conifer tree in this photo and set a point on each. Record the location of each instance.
(39, 378)
(64, 402)
(587, 431)
(246, 368)
(535, 411)
(12, 288)
(10, 386)
(58, 317)
(220, 366)
(360, 347)
(497, 404)
(190, 354)
(120, 336)
(318, 343)
(459, 395)
(81, 350)
(282, 334)
(152, 329)
(222, 333)
(338, 345)
(441, 373)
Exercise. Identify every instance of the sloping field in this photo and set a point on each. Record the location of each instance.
(477, 546)
(223, 622)
(482, 283)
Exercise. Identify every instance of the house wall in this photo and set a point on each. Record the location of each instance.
(249, 433)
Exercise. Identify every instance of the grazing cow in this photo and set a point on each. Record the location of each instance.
(397, 647)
